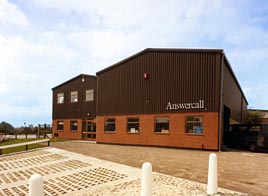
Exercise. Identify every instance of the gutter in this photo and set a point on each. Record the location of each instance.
(221, 102)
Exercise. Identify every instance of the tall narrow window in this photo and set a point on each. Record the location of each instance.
(161, 124)
(90, 95)
(194, 124)
(74, 96)
(109, 124)
(60, 125)
(60, 98)
(133, 125)
(73, 126)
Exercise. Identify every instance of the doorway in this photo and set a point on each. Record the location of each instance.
(89, 130)
(226, 117)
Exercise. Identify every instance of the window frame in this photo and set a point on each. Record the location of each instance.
(132, 123)
(71, 97)
(194, 122)
(163, 131)
(58, 100)
(59, 121)
(109, 123)
(89, 95)
(72, 126)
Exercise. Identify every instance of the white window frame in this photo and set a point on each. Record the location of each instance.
(90, 95)
(74, 96)
(60, 98)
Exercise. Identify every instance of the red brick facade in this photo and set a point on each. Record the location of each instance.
(66, 133)
(175, 138)
(264, 120)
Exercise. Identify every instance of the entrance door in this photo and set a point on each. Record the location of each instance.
(88, 130)
(226, 118)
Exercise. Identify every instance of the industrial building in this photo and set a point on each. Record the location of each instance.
(162, 97)
(74, 108)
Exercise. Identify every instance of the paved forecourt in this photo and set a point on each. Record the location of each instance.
(67, 173)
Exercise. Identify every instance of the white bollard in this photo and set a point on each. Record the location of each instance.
(212, 186)
(36, 185)
(146, 180)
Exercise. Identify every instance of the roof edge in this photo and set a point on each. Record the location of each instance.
(159, 50)
(74, 78)
(234, 76)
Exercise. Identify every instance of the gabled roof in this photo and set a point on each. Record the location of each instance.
(79, 76)
(160, 50)
(233, 74)
(220, 51)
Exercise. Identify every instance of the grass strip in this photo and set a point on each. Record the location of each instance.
(23, 148)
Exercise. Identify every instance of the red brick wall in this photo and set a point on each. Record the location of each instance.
(67, 133)
(176, 137)
(264, 120)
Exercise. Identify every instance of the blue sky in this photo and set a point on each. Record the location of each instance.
(46, 42)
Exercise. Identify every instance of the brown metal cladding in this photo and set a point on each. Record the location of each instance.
(233, 96)
(174, 75)
(80, 109)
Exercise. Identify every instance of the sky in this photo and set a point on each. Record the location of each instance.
(44, 43)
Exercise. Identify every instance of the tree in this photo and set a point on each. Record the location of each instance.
(253, 117)
(6, 127)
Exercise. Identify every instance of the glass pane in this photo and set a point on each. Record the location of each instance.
(255, 128)
(133, 120)
(110, 127)
(60, 98)
(94, 127)
(84, 126)
(194, 119)
(198, 118)
(189, 118)
(60, 125)
(189, 128)
(74, 96)
(90, 95)
(162, 119)
(89, 126)
(198, 128)
(133, 127)
(73, 125)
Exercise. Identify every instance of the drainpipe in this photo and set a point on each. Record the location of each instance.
(221, 102)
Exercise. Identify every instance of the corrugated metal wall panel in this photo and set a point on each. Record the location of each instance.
(233, 97)
(174, 76)
(80, 109)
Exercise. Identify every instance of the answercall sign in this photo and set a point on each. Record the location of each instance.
(180, 106)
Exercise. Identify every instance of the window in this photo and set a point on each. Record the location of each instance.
(256, 128)
(60, 125)
(60, 98)
(194, 124)
(74, 96)
(109, 124)
(73, 126)
(133, 125)
(161, 125)
(90, 95)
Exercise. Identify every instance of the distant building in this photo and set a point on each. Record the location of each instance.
(263, 114)
(74, 108)
(159, 97)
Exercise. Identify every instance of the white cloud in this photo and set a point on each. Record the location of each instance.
(87, 36)
(11, 16)
(257, 96)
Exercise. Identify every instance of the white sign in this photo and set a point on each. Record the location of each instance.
(187, 106)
